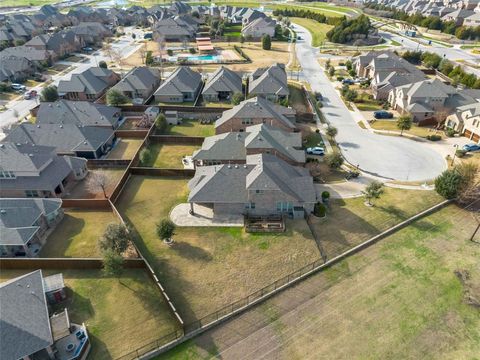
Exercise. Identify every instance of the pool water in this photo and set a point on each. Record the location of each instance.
(202, 58)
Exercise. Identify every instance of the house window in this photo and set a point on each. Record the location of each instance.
(250, 206)
(283, 206)
(247, 122)
(31, 193)
(258, 191)
(6, 174)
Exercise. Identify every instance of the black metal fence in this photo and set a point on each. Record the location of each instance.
(152, 345)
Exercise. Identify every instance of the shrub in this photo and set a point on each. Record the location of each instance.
(448, 183)
(115, 238)
(145, 156)
(331, 131)
(165, 229)
(170, 52)
(4, 87)
(266, 42)
(237, 98)
(331, 72)
(317, 131)
(325, 196)
(192, 50)
(115, 97)
(149, 58)
(334, 160)
(450, 132)
(434, 137)
(340, 78)
(161, 123)
(102, 64)
(320, 210)
(460, 153)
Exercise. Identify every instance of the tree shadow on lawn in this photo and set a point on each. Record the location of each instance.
(191, 252)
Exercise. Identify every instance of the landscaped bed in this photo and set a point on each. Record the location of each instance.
(121, 314)
(207, 268)
(77, 234)
(169, 156)
(191, 128)
(125, 149)
(350, 222)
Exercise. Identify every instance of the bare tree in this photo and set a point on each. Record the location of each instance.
(98, 180)
(107, 49)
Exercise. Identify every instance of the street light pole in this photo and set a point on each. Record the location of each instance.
(455, 153)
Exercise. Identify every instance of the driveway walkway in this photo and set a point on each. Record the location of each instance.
(388, 157)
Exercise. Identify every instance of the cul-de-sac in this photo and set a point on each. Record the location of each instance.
(239, 180)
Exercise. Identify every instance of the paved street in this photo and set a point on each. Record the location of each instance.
(388, 157)
(18, 109)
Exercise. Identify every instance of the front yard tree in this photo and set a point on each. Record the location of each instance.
(331, 131)
(237, 98)
(266, 42)
(373, 191)
(112, 264)
(115, 238)
(331, 71)
(49, 94)
(404, 123)
(115, 97)
(334, 160)
(165, 229)
(98, 181)
(102, 64)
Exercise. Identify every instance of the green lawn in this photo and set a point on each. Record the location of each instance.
(208, 268)
(121, 315)
(77, 234)
(125, 149)
(191, 128)
(169, 156)
(402, 298)
(390, 125)
(318, 30)
(349, 222)
(233, 30)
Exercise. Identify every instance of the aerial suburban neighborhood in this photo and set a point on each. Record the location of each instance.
(289, 179)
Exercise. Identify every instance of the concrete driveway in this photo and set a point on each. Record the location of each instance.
(388, 157)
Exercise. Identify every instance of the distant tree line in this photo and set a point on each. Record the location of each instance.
(348, 29)
(431, 60)
(429, 22)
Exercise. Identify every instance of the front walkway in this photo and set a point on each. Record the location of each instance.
(343, 190)
(204, 216)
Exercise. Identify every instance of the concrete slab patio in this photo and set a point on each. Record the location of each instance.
(204, 216)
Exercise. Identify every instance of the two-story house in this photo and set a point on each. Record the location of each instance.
(466, 120)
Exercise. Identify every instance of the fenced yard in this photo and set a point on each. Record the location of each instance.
(125, 149)
(349, 222)
(191, 128)
(77, 234)
(168, 156)
(121, 314)
(207, 268)
(83, 189)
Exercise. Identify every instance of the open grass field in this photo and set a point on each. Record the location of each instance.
(121, 315)
(77, 234)
(207, 268)
(390, 125)
(82, 190)
(191, 128)
(125, 149)
(318, 30)
(410, 296)
(169, 156)
(262, 58)
(350, 222)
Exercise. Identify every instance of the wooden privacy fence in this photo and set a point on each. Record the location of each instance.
(95, 204)
(149, 171)
(137, 134)
(64, 263)
(172, 139)
(107, 163)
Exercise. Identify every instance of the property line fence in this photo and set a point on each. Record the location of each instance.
(192, 329)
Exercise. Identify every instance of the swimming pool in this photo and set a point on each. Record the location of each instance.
(196, 58)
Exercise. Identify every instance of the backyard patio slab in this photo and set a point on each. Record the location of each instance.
(204, 216)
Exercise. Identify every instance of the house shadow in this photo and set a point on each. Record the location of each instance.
(62, 237)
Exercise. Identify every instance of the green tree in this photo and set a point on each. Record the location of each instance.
(448, 183)
(161, 123)
(49, 94)
(115, 97)
(145, 157)
(404, 123)
(112, 264)
(115, 238)
(149, 58)
(237, 98)
(266, 42)
(331, 131)
(331, 71)
(242, 40)
(373, 191)
(334, 160)
(165, 229)
(102, 64)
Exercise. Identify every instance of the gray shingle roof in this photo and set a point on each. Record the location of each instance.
(272, 80)
(140, 78)
(91, 81)
(65, 138)
(182, 80)
(256, 107)
(80, 113)
(223, 79)
(24, 321)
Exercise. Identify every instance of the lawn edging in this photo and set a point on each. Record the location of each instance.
(284, 283)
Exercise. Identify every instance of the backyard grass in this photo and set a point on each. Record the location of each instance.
(318, 30)
(125, 149)
(169, 156)
(410, 296)
(121, 315)
(297, 98)
(191, 128)
(77, 234)
(391, 125)
(207, 268)
(82, 190)
(350, 222)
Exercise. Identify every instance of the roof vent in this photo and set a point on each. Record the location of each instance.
(61, 126)
(3, 211)
(31, 155)
(229, 166)
(236, 166)
(2, 146)
(50, 105)
(245, 166)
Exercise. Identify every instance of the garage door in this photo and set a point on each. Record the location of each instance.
(475, 137)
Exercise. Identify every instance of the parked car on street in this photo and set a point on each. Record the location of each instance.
(31, 94)
(317, 150)
(18, 87)
(348, 81)
(318, 96)
(471, 147)
(87, 48)
(382, 114)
